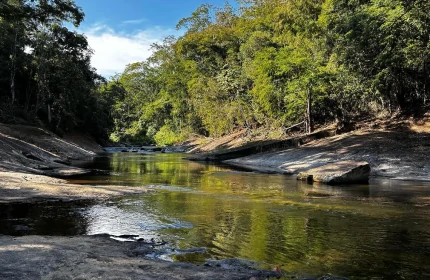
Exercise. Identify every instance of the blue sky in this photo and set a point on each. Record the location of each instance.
(121, 31)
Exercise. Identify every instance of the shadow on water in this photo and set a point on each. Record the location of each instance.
(380, 230)
(47, 218)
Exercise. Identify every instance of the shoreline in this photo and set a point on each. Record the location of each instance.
(24, 187)
(90, 257)
(396, 155)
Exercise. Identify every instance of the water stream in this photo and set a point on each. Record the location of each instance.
(205, 211)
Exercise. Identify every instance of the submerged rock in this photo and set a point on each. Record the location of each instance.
(232, 264)
(22, 228)
(343, 172)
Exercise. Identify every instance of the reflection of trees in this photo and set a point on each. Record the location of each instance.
(160, 169)
(270, 219)
(300, 238)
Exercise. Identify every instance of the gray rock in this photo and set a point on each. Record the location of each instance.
(343, 172)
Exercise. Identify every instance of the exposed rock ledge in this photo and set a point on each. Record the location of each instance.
(343, 172)
(22, 187)
(37, 151)
(90, 257)
(399, 155)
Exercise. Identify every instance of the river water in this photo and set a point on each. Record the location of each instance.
(205, 211)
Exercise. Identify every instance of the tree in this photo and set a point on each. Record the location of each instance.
(276, 63)
(49, 73)
(387, 43)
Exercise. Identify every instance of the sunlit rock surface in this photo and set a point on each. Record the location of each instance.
(342, 172)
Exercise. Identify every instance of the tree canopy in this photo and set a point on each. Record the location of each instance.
(258, 63)
(45, 69)
(274, 62)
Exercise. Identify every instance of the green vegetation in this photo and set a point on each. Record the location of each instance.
(274, 63)
(270, 63)
(45, 72)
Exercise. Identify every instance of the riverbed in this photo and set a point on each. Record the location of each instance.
(201, 211)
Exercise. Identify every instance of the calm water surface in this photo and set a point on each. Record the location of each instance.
(376, 231)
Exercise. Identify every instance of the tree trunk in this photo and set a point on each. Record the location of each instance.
(309, 112)
(28, 92)
(12, 86)
(49, 114)
(13, 69)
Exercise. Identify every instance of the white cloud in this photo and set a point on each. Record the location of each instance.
(134, 21)
(114, 50)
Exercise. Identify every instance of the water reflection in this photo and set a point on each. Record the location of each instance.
(48, 218)
(380, 230)
(172, 171)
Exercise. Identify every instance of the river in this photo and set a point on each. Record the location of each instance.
(206, 211)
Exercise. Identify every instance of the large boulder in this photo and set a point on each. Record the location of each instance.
(342, 172)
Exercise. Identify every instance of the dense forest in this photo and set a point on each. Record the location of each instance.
(45, 73)
(253, 64)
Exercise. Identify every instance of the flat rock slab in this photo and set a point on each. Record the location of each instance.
(23, 187)
(342, 172)
(88, 257)
(68, 172)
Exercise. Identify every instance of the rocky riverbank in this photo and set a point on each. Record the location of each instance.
(401, 155)
(34, 150)
(396, 149)
(24, 187)
(99, 257)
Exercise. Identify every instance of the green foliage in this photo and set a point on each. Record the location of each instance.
(263, 65)
(167, 136)
(386, 43)
(274, 62)
(46, 69)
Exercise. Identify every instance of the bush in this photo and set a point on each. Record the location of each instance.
(166, 136)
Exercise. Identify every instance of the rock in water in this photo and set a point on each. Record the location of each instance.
(342, 172)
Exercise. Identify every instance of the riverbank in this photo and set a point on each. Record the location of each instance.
(392, 154)
(32, 159)
(394, 149)
(34, 150)
(91, 257)
(24, 187)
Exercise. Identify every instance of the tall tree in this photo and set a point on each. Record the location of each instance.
(49, 73)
